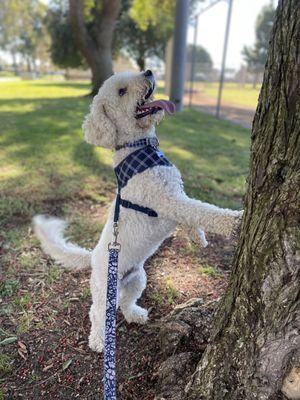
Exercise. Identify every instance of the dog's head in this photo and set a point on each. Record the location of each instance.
(124, 110)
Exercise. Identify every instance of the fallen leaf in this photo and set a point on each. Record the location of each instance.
(8, 340)
(22, 346)
(66, 364)
(47, 367)
(22, 354)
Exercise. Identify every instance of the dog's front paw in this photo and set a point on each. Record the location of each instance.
(230, 223)
(236, 229)
(96, 343)
(197, 236)
(202, 237)
(136, 314)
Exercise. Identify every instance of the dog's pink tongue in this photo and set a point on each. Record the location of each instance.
(165, 105)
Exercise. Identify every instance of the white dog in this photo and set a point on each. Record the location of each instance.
(122, 112)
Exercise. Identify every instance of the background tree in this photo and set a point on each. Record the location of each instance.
(140, 41)
(142, 30)
(22, 29)
(147, 26)
(158, 13)
(63, 49)
(202, 56)
(256, 56)
(255, 346)
(93, 23)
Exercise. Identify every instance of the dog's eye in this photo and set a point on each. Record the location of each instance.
(122, 91)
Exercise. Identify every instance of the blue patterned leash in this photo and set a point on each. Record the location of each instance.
(110, 378)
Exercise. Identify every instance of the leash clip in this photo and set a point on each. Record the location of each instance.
(115, 245)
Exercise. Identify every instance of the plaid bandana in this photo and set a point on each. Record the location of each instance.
(139, 161)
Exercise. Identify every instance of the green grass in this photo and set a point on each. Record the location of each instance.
(172, 292)
(209, 271)
(5, 366)
(233, 93)
(8, 287)
(211, 155)
(45, 164)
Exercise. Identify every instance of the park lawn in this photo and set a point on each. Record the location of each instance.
(233, 93)
(46, 167)
(45, 160)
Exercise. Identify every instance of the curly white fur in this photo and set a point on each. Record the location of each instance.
(112, 122)
(50, 232)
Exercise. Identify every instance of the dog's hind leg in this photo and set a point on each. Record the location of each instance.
(132, 286)
(98, 284)
(97, 316)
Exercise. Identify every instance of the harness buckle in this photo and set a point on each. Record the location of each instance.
(115, 245)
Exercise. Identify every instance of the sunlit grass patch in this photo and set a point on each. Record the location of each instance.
(233, 93)
(209, 271)
(173, 293)
(9, 287)
(24, 323)
(5, 366)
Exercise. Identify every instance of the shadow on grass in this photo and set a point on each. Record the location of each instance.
(46, 161)
(42, 144)
(212, 156)
(57, 122)
(65, 84)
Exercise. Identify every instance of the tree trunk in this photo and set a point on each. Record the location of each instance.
(28, 63)
(255, 345)
(96, 47)
(141, 63)
(255, 79)
(15, 64)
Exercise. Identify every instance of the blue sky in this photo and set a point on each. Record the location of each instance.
(212, 27)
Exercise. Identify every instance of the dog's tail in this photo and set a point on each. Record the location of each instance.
(50, 232)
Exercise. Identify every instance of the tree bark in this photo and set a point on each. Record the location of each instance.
(254, 349)
(96, 46)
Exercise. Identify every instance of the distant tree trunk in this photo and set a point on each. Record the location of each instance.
(255, 345)
(96, 47)
(28, 63)
(15, 64)
(255, 79)
(141, 63)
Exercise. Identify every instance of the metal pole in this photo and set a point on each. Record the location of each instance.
(193, 62)
(193, 59)
(224, 58)
(179, 53)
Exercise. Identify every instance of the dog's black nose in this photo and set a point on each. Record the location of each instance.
(148, 73)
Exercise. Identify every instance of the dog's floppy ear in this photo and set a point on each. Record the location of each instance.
(98, 128)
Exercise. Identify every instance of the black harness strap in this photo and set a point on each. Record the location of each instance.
(136, 207)
(117, 208)
(127, 204)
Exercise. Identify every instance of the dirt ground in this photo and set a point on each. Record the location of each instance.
(52, 360)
